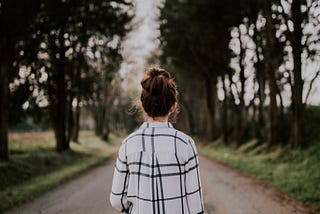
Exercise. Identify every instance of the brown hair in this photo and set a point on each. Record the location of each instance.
(159, 92)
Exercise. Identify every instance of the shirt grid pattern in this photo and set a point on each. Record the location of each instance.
(157, 172)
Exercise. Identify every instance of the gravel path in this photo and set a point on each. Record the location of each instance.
(226, 191)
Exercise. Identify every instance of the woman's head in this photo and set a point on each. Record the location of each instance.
(159, 94)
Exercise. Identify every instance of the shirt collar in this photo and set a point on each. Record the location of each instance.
(157, 125)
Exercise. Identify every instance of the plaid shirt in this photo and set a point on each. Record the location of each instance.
(157, 172)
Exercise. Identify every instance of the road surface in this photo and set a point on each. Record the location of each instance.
(226, 191)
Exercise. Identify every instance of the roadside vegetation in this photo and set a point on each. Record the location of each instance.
(35, 167)
(295, 172)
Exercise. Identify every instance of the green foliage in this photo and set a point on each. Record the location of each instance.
(35, 167)
(202, 47)
(311, 128)
(295, 172)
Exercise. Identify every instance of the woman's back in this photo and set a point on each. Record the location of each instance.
(162, 171)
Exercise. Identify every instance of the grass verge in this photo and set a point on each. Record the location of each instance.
(294, 172)
(35, 167)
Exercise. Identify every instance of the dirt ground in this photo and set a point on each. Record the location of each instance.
(226, 191)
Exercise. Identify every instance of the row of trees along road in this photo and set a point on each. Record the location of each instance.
(242, 59)
(57, 54)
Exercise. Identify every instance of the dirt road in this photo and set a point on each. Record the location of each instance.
(86, 194)
(226, 191)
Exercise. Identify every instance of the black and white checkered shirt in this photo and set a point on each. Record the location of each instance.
(157, 172)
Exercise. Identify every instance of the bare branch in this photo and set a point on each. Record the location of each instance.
(310, 86)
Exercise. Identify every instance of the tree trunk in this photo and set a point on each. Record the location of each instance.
(224, 119)
(77, 83)
(189, 112)
(241, 127)
(261, 95)
(99, 117)
(297, 105)
(75, 136)
(260, 77)
(4, 101)
(281, 124)
(273, 126)
(59, 100)
(105, 125)
(232, 106)
(269, 68)
(58, 111)
(211, 93)
(253, 122)
(70, 117)
(59, 128)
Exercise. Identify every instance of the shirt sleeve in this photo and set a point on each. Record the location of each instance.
(118, 195)
(193, 182)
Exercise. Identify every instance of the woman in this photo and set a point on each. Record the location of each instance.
(157, 169)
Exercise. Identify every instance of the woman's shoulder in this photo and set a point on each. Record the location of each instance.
(132, 135)
(184, 137)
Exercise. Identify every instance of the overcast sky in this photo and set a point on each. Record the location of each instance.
(143, 39)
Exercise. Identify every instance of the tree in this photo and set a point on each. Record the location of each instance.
(270, 69)
(13, 28)
(52, 40)
(66, 27)
(297, 103)
(293, 13)
(201, 48)
(261, 82)
(107, 84)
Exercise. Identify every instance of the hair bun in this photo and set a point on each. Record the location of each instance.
(155, 81)
(159, 92)
(155, 72)
(157, 85)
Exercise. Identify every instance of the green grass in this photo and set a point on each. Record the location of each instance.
(35, 167)
(294, 172)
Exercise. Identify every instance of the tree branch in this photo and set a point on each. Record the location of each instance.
(310, 87)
